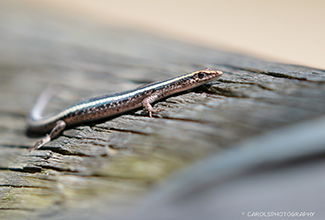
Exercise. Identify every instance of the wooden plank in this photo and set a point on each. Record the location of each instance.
(105, 168)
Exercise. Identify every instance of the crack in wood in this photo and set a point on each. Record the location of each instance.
(128, 131)
(18, 209)
(15, 146)
(245, 83)
(63, 151)
(24, 186)
(228, 93)
(272, 73)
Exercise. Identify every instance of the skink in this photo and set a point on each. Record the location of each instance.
(103, 106)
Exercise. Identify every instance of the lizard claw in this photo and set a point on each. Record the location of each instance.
(41, 143)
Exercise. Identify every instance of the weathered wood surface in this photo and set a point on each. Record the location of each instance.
(104, 169)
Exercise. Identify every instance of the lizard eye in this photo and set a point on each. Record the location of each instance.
(201, 75)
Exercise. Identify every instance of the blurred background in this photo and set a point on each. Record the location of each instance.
(289, 31)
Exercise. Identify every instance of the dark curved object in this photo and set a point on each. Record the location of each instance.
(281, 173)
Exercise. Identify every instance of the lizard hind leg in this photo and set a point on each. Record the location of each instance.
(60, 125)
